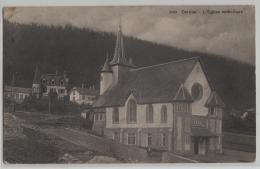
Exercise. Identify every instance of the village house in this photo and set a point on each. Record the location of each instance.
(170, 106)
(81, 95)
(18, 94)
(43, 84)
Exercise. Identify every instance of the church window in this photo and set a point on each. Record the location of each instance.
(149, 113)
(164, 114)
(131, 111)
(149, 139)
(131, 139)
(163, 139)
(115, 115)
(197, 91)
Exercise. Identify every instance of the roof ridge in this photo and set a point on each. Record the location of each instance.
(161, 64)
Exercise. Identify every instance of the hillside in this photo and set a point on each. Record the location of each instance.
(81, 52)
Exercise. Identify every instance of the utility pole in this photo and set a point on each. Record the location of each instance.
(12, 93)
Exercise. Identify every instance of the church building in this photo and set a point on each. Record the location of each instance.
(170, 106)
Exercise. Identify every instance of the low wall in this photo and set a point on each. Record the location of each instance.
(168, 157)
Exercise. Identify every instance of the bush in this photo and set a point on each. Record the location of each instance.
(57, 106)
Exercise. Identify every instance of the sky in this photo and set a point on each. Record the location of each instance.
(228, 34)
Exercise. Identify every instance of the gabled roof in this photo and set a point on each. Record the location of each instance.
(183, 95)
(214, 100)
(85, 91)
(151, 84)
(56, 77)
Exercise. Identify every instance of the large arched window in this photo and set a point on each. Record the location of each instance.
(164, 114)
(131, 111)
(149, 113)
(197, 91)
(115, 115)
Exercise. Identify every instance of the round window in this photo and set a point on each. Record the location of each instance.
(196, 91)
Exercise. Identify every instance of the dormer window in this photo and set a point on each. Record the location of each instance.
(52, 82)
(43, 81)
(61, 82)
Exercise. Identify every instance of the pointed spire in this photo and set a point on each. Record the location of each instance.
(106, 67)
(36, 78)
(119, 53)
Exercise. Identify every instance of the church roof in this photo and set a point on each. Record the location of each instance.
(152, 84)
(183, 94)
(119, 53)
(214, 100)
(36, 78)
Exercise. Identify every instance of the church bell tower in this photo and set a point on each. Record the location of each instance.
(113, 71)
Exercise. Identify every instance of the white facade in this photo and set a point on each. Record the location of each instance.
(60, 90)
(81, 98)
(197, 76)
(106, 81)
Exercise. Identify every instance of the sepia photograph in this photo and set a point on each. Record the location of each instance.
(129, 84)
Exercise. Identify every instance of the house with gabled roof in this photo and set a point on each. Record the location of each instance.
(82, 95)
(43, 84)
(170, 106)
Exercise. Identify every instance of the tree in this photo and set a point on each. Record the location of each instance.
(52, 99)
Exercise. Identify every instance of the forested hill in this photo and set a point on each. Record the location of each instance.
(81, 52)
